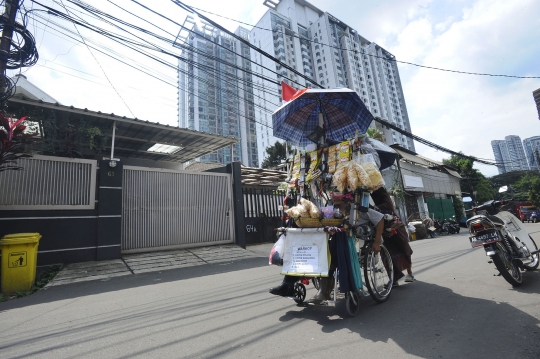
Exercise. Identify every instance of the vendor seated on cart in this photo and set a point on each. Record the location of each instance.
(287, 286)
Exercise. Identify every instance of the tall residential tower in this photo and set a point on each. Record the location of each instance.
(331, 53)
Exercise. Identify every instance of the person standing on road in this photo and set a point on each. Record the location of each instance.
(396, 241)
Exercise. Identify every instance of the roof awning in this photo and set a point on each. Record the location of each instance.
(451, 172)
(412, 158)
(134, 137)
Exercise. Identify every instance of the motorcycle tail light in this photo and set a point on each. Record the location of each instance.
(477, 227)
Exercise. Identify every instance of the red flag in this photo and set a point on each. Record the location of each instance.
(287, 91)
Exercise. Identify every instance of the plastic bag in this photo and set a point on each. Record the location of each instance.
(374, 174)
(312, 209)
(276, 254)
(328, 212)
(366, 148)
(298, 211)
(357, 176)
(340, 178)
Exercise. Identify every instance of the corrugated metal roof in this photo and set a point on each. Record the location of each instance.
(134, 137)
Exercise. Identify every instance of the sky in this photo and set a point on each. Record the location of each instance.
(457, 111)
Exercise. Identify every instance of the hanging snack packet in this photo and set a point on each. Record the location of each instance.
(315, 160)
(374, 174)
(332, 158)
(357, 176)
(340, 178)
(344, 153)
(366, 148)
(296, 167)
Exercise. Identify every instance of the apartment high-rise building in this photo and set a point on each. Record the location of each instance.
(509, 154)
(536, 95)
(331, 53)
(532, 151)
(216, 91)
(500, 151)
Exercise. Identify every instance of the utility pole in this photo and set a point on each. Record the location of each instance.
(10, 14)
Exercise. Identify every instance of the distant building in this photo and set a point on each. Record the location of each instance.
(532, 151)
(509, 154)
(216, 90)
(536, 95)
(500, 151)
(331, 53)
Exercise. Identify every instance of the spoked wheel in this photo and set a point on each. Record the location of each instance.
(352, 303)
(534, 263)
(299, 292)
(503, 262)
(378, 274)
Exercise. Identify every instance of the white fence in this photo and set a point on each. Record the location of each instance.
(49, 183)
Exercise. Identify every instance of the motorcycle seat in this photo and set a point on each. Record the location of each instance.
(496, 220)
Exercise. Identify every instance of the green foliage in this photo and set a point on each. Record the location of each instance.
(276, 154)
(41, 282)
(530, 185)
(458, 207)
(68, 135)
(473, 180)
(375, 133)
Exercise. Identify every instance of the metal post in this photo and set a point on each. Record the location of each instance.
(7, 33)
(112, 145)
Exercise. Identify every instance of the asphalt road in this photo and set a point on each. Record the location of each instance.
(457, 308)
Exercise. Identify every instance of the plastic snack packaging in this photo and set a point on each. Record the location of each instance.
(332, 158)
(315, 160)
(357, 176)
(313, 210)
(340, 178)
(374, 174)
(296, 167)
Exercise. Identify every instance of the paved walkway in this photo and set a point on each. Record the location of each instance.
(132, 264)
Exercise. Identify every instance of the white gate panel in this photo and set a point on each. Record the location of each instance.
(174, 209)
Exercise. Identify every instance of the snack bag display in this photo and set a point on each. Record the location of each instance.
(343, 154)
(315, 160)
(296, 167)
(298, 211)
(314, 211)
(357, 176)
(340, 178)
(375, 176)
(332, 158)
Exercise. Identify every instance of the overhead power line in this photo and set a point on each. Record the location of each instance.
(372, 55)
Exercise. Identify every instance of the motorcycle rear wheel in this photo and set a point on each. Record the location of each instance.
(535, 263)
(503, 262)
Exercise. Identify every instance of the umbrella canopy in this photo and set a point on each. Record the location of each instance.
(343, 112)
(387, 154)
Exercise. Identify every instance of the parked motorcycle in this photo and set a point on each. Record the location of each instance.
(534, 217)
(504, 239)
(446, 226)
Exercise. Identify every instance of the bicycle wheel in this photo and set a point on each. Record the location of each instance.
(378, 273)
(352, 303)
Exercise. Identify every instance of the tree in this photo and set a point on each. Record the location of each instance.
(276, 154)
(530, 185)
(375, 133)
(472, 179)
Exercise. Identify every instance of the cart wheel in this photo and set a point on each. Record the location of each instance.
(378, 274)
(299, 292)
(352, 304)
(316, 282)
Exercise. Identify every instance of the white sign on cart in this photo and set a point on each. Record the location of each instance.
(306, 252)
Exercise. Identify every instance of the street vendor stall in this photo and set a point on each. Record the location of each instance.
(331, 180)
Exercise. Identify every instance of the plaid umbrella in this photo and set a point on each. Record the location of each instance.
(344, 113)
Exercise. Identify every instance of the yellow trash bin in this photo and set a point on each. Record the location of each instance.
(19, 259)
(413, 236)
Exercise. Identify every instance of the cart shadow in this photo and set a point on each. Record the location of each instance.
(429, 321)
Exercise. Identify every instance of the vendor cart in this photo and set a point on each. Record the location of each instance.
(331, 181)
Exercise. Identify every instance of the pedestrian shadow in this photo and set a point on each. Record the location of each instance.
(430, 321)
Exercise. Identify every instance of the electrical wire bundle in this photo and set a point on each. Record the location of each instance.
(23, 51)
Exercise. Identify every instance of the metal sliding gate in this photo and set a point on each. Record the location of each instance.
(164, 209)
